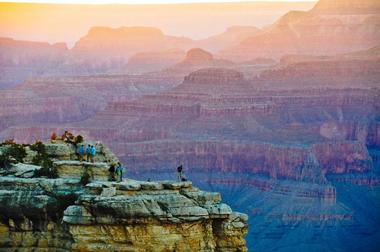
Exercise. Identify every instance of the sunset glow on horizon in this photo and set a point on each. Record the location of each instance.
(147, 1)
(62, 21)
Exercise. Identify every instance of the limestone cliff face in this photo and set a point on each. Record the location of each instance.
(65, 214)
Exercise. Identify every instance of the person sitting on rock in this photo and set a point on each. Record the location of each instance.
(81, 152)
(112, 172)
(119, 172)
(179, 173)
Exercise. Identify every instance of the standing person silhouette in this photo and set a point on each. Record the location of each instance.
(93, 153)
(119, 172)
(81, 152)
(88, 153)
(179, 173)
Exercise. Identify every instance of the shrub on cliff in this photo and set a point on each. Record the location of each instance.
(85, 179)
(5, 161)
(8, 142)
(17, 151)
(12, 153)
(44, 161)
(47, 170)
(78, 139)
(53, 136)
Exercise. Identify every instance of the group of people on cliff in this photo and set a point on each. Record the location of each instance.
(86, 153)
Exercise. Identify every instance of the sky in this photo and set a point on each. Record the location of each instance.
(146, 1)
(69, 22)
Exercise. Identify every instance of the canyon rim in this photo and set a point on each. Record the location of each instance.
(272, 109)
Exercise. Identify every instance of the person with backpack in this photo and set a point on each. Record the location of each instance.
(119, 172)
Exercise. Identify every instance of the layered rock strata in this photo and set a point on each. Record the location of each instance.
(63, 214)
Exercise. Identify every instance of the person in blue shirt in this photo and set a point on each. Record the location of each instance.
(89, 153)
(119, 172)
(81, 152)
(93, 153)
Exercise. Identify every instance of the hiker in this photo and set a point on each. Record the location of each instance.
(119, 172)
(89, 153)
(93, 153)
(112, 172)
(179, 173)
(81, 152)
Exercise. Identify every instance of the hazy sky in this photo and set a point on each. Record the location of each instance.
(69, 22)
(148, 1)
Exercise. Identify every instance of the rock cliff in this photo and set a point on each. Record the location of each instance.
(69, 214)
(197, 59)
(331, 27)
(126, 41)
(347, 7)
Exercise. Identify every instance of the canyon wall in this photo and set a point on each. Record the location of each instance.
(67, 214)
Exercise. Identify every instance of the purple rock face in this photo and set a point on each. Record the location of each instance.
(285, 157)
(296, 145)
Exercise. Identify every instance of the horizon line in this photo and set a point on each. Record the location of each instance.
(149, 2)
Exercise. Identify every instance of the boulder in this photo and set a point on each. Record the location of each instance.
(176, 185)
(108, 192)
(76, 169)
(61, 151)
(204, 198)
(24, 170)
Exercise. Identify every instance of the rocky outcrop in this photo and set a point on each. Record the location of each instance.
(66, 214)
(154, 61)
(198, 56)
(196, 59)
(40, 101)
(126, 41)
(21, 59)
(230, 37)
(354, 26)
(214, 75)
(323, 73)
(347, 7)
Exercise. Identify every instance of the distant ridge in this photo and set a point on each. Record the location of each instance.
(347, 7)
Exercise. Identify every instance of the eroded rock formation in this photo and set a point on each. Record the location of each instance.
(331, 27)
(66, 214)
(126, 41)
